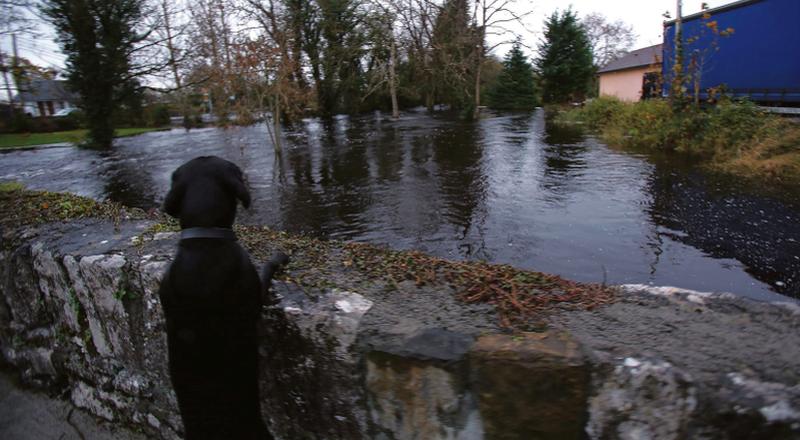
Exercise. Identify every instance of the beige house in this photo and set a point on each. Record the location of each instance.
(630, 76)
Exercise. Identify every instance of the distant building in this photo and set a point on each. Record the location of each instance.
(633, 75)
(44, 97)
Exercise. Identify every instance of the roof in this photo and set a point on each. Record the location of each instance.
(713, 11)
(646, 56)
(47, 90)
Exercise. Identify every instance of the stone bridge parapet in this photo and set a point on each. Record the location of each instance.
(79, 311)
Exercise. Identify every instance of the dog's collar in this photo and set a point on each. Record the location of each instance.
(220, 233)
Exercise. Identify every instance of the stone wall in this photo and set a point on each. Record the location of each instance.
(79, 312)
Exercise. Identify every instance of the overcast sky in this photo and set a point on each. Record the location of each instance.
(646, 17)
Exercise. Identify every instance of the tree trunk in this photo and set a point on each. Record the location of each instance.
(297, 59)
(182, 99)
(477, 111)
(276, 125)
(101, 126)
(429, 83)
(697, 66)
(172, 63)
(393, 79)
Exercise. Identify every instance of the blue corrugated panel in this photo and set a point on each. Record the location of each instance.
(760, 60)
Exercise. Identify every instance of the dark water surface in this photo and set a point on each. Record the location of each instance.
(507, 189)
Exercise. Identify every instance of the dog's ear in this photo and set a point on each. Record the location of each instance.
(174, 199)
(233, 179)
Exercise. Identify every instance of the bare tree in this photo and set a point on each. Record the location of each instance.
(609, 40)
(492, 17)
(17, 16)
(383, 35)
(415, 19)
(393, 76)
(211, 37)
(172, 30)
(269, 67)
(701, 48)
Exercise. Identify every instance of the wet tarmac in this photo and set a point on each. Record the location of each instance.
(27, 414)
(507, 189)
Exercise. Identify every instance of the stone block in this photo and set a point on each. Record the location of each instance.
(530, 385)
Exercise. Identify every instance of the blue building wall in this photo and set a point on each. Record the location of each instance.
(760, 60)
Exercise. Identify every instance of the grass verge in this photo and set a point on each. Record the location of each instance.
(732, 137)
(13, 140)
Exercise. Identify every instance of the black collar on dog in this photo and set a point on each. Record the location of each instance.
(220, 233)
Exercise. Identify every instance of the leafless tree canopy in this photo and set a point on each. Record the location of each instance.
(16, 16)
(609, 40)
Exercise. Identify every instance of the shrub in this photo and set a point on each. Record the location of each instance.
(733, 136)
(72, 121)
(732, 125)
(598, 112)
(648, 124)
(157, 115)
(20, 123)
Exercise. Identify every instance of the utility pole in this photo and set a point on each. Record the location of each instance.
(4, 68)
(393, 77)
(677, 69)
(15, 73)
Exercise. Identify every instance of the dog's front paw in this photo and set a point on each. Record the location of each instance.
(279, 259)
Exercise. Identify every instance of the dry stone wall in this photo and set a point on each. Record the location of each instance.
(79, 313)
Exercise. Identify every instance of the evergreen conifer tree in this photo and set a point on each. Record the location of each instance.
(98, 38)
(514, 88)
(565, 59)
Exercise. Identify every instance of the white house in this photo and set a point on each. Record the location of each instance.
(44, 97)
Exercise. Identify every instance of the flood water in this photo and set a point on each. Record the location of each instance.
(506, 189)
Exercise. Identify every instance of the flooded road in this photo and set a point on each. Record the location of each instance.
(506, 189)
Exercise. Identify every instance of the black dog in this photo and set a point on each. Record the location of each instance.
(211, 296)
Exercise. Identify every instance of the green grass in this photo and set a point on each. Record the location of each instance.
(11, 187)
(73, 136)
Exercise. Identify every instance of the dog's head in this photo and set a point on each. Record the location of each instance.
(204, 193)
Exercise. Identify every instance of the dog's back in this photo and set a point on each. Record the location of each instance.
(215, 274)
(211, 300)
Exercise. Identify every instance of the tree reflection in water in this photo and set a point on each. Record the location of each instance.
(507, 188)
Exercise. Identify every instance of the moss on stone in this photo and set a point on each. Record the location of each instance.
(20, 207)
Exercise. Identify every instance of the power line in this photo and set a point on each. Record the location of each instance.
(42, 51)
(40, 54)
(39, 48)
(37, 44)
